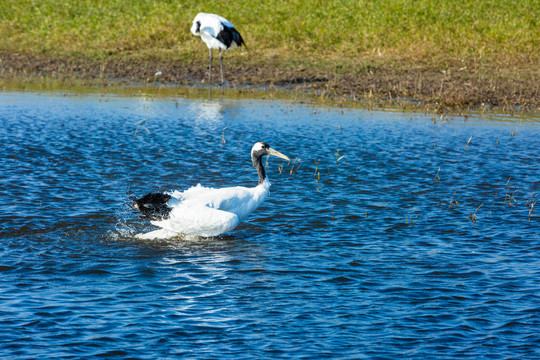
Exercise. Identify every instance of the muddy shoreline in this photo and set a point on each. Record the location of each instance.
(457, 87)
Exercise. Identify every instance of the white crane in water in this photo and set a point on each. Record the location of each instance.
(205, 211)
(217, 33)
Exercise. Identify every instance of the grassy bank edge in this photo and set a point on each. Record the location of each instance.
(458, 87)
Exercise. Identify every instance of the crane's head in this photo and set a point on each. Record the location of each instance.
(196, 27)
(261, 148)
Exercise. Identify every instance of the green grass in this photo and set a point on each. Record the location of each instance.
(503, 33)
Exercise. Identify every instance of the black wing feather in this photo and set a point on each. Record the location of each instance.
(229, 35)
(153, 206)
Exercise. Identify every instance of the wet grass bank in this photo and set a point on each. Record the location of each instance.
(456, 54)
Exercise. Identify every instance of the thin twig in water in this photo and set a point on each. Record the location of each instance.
(144, 127)
(531, 201)
(472, 217)
(410, 219)
(510, 196)
(293, 170)
(223, 135)
(452, 201)
(467, 146)
(437, 178)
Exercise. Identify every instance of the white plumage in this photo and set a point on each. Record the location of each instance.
(206, 211)
(217, 33)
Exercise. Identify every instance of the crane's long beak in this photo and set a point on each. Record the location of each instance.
(278, 154)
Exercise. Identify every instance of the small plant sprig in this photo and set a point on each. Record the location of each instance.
(454, 202)
(468, 142)
(293, 170)
(531, 201)
(472, 216)
(437, 178)
(409, 220)
(509, 197)
(144, 127)
(338, 158)
(223, 135)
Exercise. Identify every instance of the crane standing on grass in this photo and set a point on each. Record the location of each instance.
(217, 33)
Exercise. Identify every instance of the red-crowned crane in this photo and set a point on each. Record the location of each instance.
(205, 211)
(217, 33)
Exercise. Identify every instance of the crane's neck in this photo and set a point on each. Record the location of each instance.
(257, 162)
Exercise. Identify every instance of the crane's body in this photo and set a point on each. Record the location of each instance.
(217, 33)
(205, 211)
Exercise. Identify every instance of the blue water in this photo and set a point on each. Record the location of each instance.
(421, 242)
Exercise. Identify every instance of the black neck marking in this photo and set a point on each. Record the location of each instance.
(257, 162)
(256, 157)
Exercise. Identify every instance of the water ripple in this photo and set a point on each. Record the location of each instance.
(410, 246)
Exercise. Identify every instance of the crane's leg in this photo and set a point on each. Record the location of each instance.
(210, 68)
(221, 64)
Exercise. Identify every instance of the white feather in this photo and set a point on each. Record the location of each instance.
(210, 26)
(203, 211)
(206, 211)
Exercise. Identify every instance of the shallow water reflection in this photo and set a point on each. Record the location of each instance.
(390, 235)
